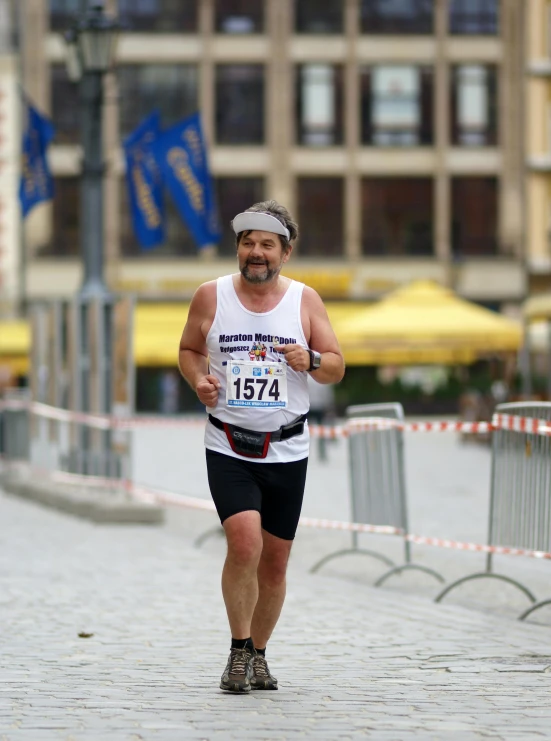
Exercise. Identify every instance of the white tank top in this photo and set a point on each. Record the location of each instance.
(238, 334)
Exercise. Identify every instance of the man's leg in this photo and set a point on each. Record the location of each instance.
(240, 590)
(239, 576)
(271, 572)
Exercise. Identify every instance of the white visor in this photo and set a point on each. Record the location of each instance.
(259, 220)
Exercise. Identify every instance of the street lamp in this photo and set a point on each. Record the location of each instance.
(91, 45)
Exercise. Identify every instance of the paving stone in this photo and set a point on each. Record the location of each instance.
(353, 662)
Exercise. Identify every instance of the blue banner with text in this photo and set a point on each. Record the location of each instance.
(36, 184)
(145, 185)
(181, 155)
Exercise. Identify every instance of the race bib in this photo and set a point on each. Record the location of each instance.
(256, 384)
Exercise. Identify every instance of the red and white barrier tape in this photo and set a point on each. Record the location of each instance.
(161, 496)
(152, 495)
(513, 423)
(494, 549)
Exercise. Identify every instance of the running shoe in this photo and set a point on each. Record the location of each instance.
(238, 672)
(261, 678)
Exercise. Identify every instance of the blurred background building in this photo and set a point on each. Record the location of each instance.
(410, 138)
(392, 129)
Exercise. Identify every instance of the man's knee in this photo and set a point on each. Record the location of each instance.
(273, 561)
(244, 538)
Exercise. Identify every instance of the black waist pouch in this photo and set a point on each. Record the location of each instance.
(249, 443)
(253, 444)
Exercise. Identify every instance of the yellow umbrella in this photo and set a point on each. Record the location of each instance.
(158, 328)
(425, 323)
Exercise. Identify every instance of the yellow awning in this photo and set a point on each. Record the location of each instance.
(419, 324)
(158, 328)
(425, 323)
(15, 337)
(157, 331)
(537, 308)
(15, 341)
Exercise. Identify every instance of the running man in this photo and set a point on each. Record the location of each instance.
(256, 438)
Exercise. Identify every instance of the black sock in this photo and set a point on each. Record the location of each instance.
(261, 651)
(242, 643)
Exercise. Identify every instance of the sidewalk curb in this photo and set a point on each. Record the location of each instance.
(91, 504)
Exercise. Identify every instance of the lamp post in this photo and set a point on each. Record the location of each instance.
(91, 45)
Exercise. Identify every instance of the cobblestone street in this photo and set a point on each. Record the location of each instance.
(353, 662)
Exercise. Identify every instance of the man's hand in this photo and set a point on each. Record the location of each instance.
(297, 357)
(207, 390)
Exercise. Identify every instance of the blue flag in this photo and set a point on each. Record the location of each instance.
(145, 186)
(181, 155)
(37, 184)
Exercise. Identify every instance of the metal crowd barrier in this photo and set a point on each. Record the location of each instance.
(58, 443)
(14, 426)
(378, 485)
(520, 495)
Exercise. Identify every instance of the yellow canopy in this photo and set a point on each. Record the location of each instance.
(157, 331)
(15, 337)
(158, 328)
(425, 323)
(15, 341)
(537, 308)
(421, 323)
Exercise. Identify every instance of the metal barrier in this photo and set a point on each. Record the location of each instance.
(14, 426)
(377, 484)
(520, 494)
(59, 441)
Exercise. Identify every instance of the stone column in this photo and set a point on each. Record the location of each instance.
(33, 27)
(33, 22)
(207, 90)
(112, 183)
(280, 95)
(511, 89)
(352, 187)
(442, 184)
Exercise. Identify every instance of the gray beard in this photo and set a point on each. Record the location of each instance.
(258, 277)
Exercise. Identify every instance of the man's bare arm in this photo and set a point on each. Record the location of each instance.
(321, 337)
(193, 354)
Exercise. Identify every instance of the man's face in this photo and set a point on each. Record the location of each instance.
(261, 256)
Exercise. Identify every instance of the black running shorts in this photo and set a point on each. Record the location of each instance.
(273, 489)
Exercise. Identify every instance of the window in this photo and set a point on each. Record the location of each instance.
(65, 107)
(65, 235)
(397, 105)
(234, 196)
(397, 16)
(474, 105)
(63, 13)
(474, 216)
(171, 88)
(313, 16)
(397, 216)
(169, 16)
(239, 16)
(240, 104)
(471, 17)
(179, 241)
(320, 216)
(319, 104)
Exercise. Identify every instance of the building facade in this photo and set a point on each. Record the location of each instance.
(391, 129)
(538, 145)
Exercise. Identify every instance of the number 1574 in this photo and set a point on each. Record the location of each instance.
(255, 387)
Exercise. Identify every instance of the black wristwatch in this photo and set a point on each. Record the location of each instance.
(315, 360)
